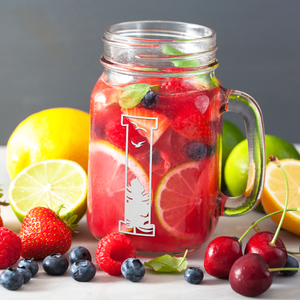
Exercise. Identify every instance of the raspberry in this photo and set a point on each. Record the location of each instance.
(112, 250)
(10, 248)
(175, 86)
(1, 222)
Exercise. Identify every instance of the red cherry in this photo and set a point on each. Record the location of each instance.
(275, 256)
(220, 255)
(249, 275)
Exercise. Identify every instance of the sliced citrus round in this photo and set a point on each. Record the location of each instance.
(178, 203)
(274, 193)
(50, 183)
(106, 199)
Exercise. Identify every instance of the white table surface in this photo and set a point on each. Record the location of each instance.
(153, 285)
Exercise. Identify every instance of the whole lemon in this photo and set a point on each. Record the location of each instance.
(236, 167)
(56, 133)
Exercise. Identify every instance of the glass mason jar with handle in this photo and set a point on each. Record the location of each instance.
(155, 144)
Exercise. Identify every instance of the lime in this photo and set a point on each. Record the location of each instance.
(56, 133)
(231, 136)
(236, 167)
(49, 183)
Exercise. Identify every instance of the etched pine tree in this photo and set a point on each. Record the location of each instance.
(137, 205)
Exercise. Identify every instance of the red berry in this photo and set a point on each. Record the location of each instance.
(220, 255)
(112, 250)
(249, 275)
(43, 233)
(193, 125)
(275, 256)
(10, 248)
(175, 86)
(116, 134)
(1, 222)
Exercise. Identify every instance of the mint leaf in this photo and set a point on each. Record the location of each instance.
(169, 50)
(133, 94)
(202, 79)
(168, 263)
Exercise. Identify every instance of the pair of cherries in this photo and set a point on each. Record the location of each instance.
(248, 274)
(265, 254)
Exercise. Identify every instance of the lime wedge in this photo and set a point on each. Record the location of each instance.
(50, 183)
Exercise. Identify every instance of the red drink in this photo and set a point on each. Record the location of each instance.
(155, 146)
(184, 175)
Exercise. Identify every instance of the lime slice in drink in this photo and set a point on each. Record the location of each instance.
(177, 202)
(49, 183)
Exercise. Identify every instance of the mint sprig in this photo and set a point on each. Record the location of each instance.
(168, 263)
(169, 50)
(133, 94)
(202, 79)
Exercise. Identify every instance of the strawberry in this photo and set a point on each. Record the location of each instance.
(195, 126)
(116, 134)
(43, 232)
(146, 120)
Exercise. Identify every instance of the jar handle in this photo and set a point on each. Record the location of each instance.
(247, 107)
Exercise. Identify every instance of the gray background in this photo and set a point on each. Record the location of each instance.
(49, 52)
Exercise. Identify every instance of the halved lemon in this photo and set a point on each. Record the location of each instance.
(274, 193)
(50, 183)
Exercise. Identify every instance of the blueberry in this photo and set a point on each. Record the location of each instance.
(290, 263)
(83, 270)
(26, 273)
(195, 150)
(211, 149)
(11, 279)
(150, 100)
(79, 253)
(55, 264)
(193, 275)
(156, 157)
(132, 269)
(31, 264)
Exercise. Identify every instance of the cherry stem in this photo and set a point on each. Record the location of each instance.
(283, 269)
(266, 216)
(274, 159)
(291, 252)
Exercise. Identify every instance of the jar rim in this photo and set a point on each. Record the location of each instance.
(159, 46)
(135, 32)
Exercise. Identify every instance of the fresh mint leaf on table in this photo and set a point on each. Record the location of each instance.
(133, 94)
(168, 263)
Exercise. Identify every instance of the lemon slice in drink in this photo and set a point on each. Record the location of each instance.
(50, 183)
(107, 184)
(274, 193)
(178, 203)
